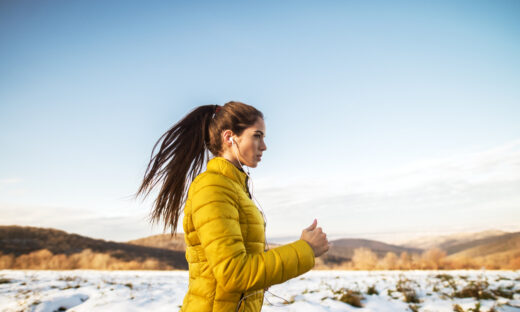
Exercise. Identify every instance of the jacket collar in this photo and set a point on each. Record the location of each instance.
(226, 168)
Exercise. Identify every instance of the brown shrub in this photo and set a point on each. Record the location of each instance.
(389, 262)
(364, 259)
(405, 261)
(87, 259)
(514, 263)
(433, 259)
(6, 261)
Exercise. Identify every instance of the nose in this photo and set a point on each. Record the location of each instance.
(263, 147)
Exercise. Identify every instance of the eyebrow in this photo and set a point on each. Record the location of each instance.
(260, 132)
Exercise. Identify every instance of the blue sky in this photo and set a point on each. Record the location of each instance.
(374, 110)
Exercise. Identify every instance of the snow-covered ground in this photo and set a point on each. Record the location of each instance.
(86, 290)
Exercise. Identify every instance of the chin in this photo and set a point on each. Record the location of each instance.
(253, 164)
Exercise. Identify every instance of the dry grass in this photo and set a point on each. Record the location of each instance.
(371, 290)
(457, 308)
(476, 308)
(405, 287)
(348, 296)
(447, 280)
(476, 289)
(503, 292)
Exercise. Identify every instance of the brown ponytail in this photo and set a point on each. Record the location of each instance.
(183, 152)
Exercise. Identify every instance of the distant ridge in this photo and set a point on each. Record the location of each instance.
(446, 241)
(487, 246)
(493, 251)
(19, 240)
(165, 241)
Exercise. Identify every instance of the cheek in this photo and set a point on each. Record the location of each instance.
(253, 147)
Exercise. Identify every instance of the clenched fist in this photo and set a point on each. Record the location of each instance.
(316, 239)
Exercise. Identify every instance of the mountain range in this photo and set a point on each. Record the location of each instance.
(168, 249)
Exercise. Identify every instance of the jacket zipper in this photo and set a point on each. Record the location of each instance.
(240, 301)
(265, 245)
(247, 188)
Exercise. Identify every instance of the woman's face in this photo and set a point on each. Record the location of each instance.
(250, 144)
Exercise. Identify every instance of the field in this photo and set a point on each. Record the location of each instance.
(88, 290)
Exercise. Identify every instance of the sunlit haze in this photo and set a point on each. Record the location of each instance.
(384, 119)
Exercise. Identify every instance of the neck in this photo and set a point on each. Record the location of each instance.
(232, 160)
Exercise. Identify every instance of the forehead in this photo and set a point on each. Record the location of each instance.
(259, 125)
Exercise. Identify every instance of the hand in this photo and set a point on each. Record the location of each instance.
(316, 239)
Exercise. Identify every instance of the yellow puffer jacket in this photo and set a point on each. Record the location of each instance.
(224, 233)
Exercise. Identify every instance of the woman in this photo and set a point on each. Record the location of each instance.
(229, 264)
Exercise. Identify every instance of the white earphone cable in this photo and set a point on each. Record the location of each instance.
(266, 245)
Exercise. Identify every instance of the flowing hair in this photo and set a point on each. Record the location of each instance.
(184, 151)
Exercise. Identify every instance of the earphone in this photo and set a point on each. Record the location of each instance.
(231, 140)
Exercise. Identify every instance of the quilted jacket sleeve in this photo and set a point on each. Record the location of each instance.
(215, 217)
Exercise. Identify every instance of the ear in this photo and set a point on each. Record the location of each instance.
(226, 136)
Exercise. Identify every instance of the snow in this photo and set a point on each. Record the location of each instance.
(316, 291)
(53, 303)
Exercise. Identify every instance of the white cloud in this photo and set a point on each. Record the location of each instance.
(462, 192)
(7, 181)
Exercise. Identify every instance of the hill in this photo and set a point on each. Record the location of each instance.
(446, 241)
(43, 248)
(23, 240)
(487, 246)
(164, 241)
(493, 252)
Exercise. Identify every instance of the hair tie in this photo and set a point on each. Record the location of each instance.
(217, 108)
